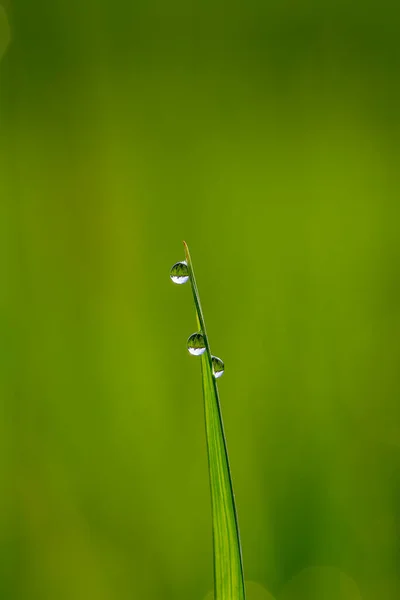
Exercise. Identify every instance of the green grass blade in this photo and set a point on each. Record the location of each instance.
(228, 567)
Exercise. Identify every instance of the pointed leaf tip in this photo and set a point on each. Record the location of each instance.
(186, 250)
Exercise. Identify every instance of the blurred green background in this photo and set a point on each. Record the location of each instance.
(267, 136)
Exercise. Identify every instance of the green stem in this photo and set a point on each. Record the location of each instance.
(228, 564)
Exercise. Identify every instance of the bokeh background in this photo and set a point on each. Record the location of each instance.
(266, 134)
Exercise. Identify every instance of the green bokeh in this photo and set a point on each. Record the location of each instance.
(267, 136)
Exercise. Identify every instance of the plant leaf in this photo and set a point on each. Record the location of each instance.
(228, 567)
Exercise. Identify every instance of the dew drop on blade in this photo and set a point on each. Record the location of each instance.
(218, 366)
(196, 345)
(180, 272)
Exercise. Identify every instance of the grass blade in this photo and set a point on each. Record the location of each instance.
(228, 567)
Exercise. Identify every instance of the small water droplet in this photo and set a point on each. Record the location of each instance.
(218, 366)
(196, 345)
(179, 272)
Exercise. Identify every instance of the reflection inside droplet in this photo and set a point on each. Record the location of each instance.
(218, 367)
(180, 272)
(196, 345)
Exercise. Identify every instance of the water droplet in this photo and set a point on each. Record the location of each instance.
(179, 272)
(196, 345)
(218, 366)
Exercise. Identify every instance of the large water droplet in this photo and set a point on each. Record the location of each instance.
(218, 366)
(179, 272)
(196, 345)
